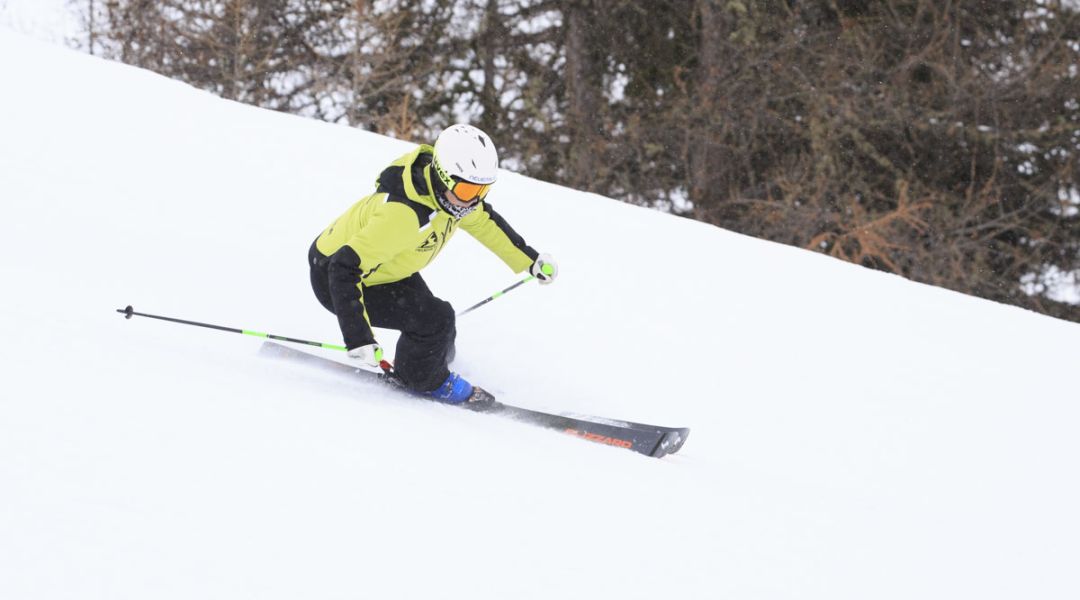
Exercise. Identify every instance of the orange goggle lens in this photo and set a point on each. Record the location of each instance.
(467, 191)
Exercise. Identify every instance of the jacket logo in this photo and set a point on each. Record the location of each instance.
(430, 243)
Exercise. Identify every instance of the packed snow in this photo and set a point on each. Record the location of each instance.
(854, 435)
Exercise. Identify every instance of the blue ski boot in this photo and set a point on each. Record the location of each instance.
(456, 390)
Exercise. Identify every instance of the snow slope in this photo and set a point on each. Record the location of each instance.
(855, 435)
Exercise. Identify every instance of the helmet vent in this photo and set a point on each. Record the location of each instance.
(474, 165)
(483, 142)
(459, 167)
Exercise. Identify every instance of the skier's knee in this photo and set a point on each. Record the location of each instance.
(435, 319)
(446, 318)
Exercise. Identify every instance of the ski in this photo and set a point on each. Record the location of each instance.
(644, 439)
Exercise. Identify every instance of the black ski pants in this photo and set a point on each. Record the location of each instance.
(426, 323)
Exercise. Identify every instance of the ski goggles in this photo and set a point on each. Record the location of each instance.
(467, 191)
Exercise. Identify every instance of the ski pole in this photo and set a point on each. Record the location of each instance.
(130, 312)
(495, 295)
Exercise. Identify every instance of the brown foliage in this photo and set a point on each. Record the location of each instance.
(927, 138)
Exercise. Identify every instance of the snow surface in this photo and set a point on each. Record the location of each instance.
(855, 435)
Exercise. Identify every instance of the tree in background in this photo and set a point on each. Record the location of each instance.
(936, 139)
(362, 63)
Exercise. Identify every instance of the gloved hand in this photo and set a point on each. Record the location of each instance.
(545, 269)
(370, 355)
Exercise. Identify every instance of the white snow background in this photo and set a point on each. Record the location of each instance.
(855, 435)
(54, 21)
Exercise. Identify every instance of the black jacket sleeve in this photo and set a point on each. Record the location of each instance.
(346, 291)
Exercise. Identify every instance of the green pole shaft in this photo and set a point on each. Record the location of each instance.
(130, 312)
(495, 295)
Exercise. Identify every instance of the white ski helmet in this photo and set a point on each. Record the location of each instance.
(464, 153)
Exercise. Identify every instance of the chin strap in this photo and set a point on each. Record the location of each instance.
(458, 212)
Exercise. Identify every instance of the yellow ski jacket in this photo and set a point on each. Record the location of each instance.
(397, 231)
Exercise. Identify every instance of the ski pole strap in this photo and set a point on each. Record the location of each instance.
(130, 312)
(495, 295)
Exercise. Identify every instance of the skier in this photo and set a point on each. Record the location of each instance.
(365, 266)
